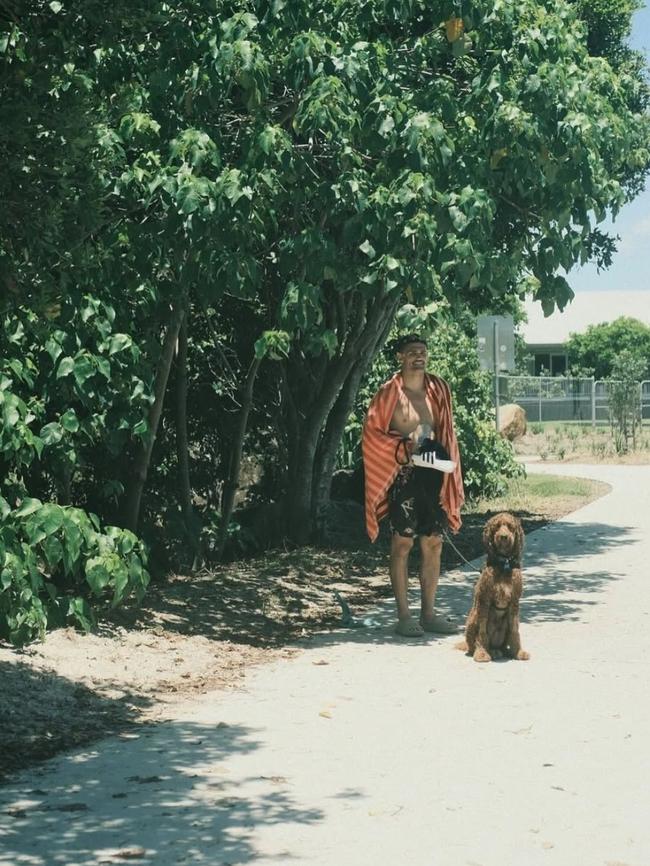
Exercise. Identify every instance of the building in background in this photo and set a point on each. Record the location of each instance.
(546, 338)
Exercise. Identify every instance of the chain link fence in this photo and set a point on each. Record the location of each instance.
(559, 398)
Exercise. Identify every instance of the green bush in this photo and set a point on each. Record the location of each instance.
(53, 560)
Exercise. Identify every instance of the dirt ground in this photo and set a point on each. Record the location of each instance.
(197, 634)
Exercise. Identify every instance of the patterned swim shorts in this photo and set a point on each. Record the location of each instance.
(414, 502)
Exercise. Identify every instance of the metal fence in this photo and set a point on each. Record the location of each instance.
(559, 398)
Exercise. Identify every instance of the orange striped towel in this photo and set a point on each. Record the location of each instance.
(378, 445)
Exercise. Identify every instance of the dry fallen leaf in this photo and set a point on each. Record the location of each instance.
(320, 662)
(325, 714)
(130, 853)
(520, 730)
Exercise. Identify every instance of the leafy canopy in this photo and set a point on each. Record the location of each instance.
(597, 348)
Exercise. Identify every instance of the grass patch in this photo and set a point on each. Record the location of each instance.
(552, 485)
(550, 495)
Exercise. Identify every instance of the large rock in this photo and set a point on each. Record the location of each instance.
(512, 421)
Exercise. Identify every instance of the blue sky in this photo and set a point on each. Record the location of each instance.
(630, 269)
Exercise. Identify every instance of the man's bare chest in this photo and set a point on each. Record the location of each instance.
(411, 412)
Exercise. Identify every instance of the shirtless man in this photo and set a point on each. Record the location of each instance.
(414, 507)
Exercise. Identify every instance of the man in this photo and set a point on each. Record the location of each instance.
(408, 419)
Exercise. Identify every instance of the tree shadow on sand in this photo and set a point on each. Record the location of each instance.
(168, 796)
(43, 712)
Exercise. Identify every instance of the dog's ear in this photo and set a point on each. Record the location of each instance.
(488, 534)
(519, 535)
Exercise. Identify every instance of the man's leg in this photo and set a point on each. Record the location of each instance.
(400, 548)
(430, 553)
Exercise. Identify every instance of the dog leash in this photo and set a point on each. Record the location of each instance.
(473, 568)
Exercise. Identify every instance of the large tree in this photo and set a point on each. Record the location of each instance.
(430, 155)
(300, 179)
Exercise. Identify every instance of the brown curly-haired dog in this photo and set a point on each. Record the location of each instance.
(492, 627)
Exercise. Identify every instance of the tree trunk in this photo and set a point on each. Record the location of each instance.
(140, 469)
(302, 452)
(363, 337)
(234, 468)
(185, 493)
(329, 444)
(190, 520)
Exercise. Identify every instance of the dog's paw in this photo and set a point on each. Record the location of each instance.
(522, 655)
(481, 655)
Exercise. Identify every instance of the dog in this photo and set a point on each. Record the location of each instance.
(492, 627)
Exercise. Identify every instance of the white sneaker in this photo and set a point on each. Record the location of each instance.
(428, 460)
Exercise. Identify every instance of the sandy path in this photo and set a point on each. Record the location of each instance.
(366, 750)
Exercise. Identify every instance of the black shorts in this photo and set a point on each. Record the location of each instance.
(414, 502)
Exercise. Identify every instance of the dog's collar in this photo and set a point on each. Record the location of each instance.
(504, 563)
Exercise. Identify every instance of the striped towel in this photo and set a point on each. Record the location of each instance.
(378, 445)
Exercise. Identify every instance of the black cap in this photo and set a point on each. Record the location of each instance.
(400, 342)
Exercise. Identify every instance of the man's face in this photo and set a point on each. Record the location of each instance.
(412, 356)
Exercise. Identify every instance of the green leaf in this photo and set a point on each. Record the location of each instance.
(274, 344)
(267, 138)
(83, 369)
(53, 348)
(52, 433)
(141, 428)
(330, 342)
(138, 577)
(367, 248)
(103, 367)
(232, 185)
(188, 198)
(72, 542)
(66, 366)
(80, 612)
(27, 506)
(69, 421)
(56, 6)
(138, 123)
(11, 415)
(118, 343)
(97, 574)
(119, 579)
(386, 126)
(53, 551)
(50, 518)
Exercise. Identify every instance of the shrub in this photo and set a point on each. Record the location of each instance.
(624, 395)
(53, 559)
